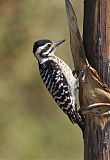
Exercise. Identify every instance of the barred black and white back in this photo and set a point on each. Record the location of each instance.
(57, 77)
(60, 83)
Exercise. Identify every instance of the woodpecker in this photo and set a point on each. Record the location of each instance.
(58, 78)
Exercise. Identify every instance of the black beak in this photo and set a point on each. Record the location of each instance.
(59, 42)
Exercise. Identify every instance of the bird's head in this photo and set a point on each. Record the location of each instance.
(43, 49)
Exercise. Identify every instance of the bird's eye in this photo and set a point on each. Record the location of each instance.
(49, 45)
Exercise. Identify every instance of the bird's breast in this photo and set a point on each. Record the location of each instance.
(67, 72)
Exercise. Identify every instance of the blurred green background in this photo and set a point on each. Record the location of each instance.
(31, 125)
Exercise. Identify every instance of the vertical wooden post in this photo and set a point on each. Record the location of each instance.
(94, 94)
(97, 47)
(96, 36)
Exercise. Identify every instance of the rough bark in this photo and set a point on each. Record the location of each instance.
(94, 92)
(97, 47)
(97, 36)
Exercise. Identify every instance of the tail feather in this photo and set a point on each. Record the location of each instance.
(76, 118)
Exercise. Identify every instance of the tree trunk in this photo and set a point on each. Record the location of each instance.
(97, 47)
(97, 36)
(94, 92)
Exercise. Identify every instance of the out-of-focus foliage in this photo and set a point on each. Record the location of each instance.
(31, 125)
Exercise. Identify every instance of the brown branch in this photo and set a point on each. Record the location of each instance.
(77, 48)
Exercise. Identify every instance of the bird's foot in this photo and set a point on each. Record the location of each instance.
(82, 72)
(75, 73)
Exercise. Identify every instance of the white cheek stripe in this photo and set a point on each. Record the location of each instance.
(41, 48)
(38, 51)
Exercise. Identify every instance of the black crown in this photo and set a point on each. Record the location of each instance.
(39, 43)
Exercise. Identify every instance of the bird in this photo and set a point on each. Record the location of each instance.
(58, 78)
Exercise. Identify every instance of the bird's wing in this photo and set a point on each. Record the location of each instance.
(57, 85)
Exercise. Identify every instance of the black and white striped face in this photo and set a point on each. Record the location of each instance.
(43, 49)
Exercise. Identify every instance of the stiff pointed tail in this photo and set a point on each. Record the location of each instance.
(76, 118)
